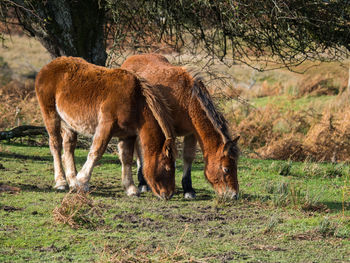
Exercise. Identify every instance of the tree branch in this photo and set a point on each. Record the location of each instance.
(22, 131)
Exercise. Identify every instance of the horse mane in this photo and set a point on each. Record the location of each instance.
(216, 118)
(161, 111)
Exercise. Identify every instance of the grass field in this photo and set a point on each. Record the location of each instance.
(288, 212)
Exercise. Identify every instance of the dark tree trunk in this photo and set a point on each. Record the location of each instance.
(66, 27)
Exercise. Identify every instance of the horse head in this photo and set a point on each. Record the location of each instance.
(163, 180)
(221, 170)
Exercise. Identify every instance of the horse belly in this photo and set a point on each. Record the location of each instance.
(79, 121)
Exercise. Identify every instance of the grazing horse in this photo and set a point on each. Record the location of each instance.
(78, 97)
(195, 118)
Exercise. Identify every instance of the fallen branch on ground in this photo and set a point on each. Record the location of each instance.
(22, 131)
(84, 142)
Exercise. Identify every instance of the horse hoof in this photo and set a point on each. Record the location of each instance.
(190, 195)
(84, 188)
(60, 187)
(132, 191)
(78, 187)
(144, 188)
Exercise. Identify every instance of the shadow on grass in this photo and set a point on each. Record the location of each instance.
(25, 157)
(98, 192)
(116, 191)
(48, 158)
(337, 206)
(333, 206)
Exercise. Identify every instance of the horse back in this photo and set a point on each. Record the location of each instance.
(174, 82)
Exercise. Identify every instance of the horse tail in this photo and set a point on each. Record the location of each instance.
(161, 112)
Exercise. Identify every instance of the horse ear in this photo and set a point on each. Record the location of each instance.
(230, 146)
(235, 140)
(227, 148)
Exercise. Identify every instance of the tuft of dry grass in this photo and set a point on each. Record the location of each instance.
(78, 210)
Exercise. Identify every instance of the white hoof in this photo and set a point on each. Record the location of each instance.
(132, 191)
(144, 189)
(73, 184)
(60, 186)
(78, 186)
(190, 195)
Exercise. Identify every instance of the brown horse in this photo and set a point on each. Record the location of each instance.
(79, 97)
(196, 118)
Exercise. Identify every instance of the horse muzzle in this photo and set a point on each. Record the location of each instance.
(166, 196)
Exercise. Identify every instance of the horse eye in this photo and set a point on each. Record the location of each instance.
(225, 170)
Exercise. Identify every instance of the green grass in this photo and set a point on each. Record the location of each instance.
(260, 227)
(286, 102)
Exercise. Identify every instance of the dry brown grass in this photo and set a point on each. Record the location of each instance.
(262, 126)
(265, 90)
(143, 254)
(288, 147)
(78, 210)
(140, 253)
(298, 135)
(320, 85)
(323, 78)
(329, 140)
(18, 104)
(24, 55)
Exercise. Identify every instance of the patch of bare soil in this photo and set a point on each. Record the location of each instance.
(136, 220)
(10, 208)
(231, 256)
(51, 248)
(9, 229)
(309, 236)
(267, 248)
(9, 189)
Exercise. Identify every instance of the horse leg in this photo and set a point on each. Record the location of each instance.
(53, 126)
(143, 187)
(69, 144)
(126, 151)
(100, 141)
(189, 152)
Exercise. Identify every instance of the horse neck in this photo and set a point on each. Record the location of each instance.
(210, 126)
(150, 134)
(208, 137)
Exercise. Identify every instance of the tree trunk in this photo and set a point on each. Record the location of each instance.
(66, 27)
